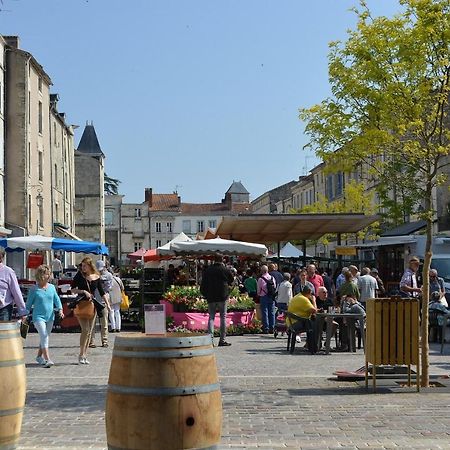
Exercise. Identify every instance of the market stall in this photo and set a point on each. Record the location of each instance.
(185, 306)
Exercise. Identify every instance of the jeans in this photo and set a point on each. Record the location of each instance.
(6, 313)
(222, 307)
(114, 317)
(267, 313)
(44, 330)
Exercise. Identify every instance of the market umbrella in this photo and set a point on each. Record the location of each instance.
(37, 242)
(138, 254)
(289, 251)
(215, 246)
(155, 254)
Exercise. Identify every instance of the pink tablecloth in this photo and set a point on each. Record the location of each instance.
(199, 321)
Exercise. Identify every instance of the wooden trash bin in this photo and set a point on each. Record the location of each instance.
(163, 393)
(12, 384)
(392, 335)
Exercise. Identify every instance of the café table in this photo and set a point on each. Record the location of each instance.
(351, 319)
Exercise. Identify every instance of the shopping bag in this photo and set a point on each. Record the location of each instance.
(125, 304)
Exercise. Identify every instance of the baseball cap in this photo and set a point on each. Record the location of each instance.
(100, 264)
(374, 270)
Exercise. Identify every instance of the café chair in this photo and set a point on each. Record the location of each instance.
(301, 325)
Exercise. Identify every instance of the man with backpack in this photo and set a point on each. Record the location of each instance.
(267, 291)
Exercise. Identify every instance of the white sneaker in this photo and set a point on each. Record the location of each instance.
(298, 339)
(40, 360)
(86, 361)
(81, 360)
(49, 363)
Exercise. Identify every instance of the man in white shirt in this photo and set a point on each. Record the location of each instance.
(57, 267)
(367, 285)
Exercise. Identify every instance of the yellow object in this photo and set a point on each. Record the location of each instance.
(300, 306)
(125, 304)
(349, 251)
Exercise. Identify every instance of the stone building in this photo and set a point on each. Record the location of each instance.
(3, 230)
(161, 217)
(89, 187)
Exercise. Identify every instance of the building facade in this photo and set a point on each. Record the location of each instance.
(89, 208)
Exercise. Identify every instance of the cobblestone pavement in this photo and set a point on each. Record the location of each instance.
(271, 400)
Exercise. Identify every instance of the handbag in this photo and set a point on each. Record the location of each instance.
(85, 308)
(125, 304)
(24, 327)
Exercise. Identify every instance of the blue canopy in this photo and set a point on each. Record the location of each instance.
(18, 244)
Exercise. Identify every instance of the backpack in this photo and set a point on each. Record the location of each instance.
(270, 286)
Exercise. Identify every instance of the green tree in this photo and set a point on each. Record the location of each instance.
(111, 185)
(389, 112)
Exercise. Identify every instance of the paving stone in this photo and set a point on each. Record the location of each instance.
(271, 400)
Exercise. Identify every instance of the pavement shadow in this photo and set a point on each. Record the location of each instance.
(89, 398)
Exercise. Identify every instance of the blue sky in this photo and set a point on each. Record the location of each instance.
(188, 94)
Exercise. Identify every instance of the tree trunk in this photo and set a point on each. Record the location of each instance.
(425, 379)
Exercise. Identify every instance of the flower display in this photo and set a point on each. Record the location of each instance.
(190, 299)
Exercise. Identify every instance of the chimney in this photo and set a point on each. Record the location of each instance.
(12, 41)
(148, 196)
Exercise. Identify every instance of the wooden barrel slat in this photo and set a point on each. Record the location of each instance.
(12, 385)
(170, 402)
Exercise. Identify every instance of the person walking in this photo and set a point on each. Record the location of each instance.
(57, 267)
(106, 280)
(115, 298)
(87, 283)
(367, 285)
(215, 288)
(267, 292)
(42, 301)
(10, 293)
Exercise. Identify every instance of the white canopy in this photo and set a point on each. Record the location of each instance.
(178, 238)
(289, 251)
(215, 246)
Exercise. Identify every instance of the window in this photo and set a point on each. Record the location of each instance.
(29, 107)
(54, 133)
(158, 227)
(212, 224)
(137, 213)
(200, 226)
(56, 176)
(41, 216)
(56, 212)
(40, 84)
(40, 121)
(1, 99)
(169, 227)
(137, 246)
(40, 166)
(158, 243)
(186, 226)
(109, 217)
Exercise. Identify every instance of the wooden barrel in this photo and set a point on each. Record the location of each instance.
(163, 393)
(12, 384)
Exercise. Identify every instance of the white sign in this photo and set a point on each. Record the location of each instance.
(155, 319)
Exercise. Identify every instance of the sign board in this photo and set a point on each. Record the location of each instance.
(155, 319)
(348, 251)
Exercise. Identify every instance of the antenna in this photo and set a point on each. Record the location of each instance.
(305, 167)
(177, 186)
